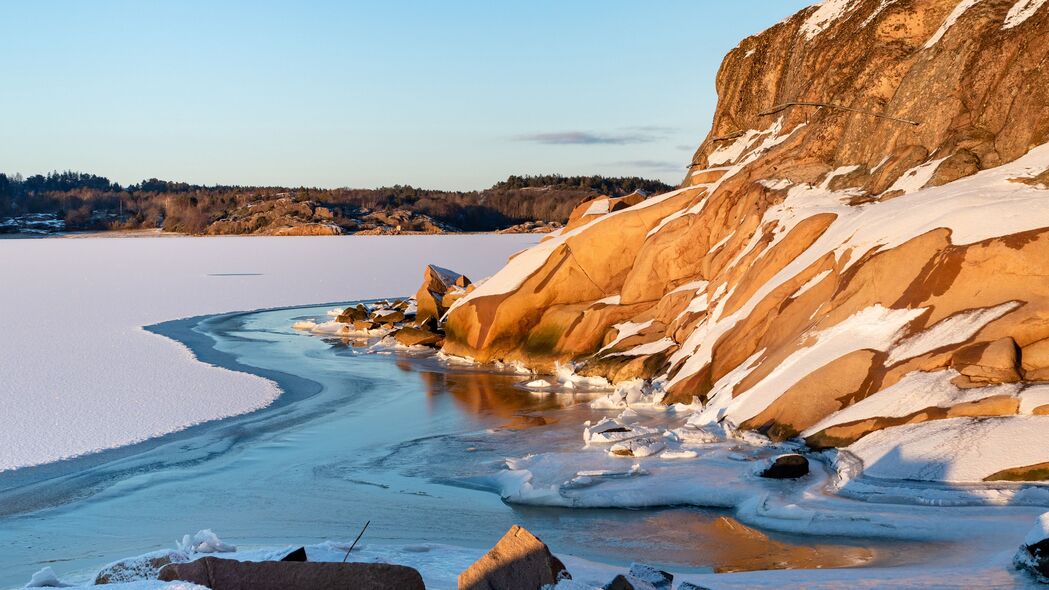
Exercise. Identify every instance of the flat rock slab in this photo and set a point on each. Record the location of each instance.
(228, 574)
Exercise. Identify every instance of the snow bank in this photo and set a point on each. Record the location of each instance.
(88, 377)
(955, 450)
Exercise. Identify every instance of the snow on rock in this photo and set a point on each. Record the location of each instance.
(817, 279)
(916, 391)
(120, 384)
(954, 450)
(952, 18)
(874, 328)
(625, 330)
(826, 13)
(916, 178)
(656, 346)
(1040, 532)
(953, 329)
(1021, 11)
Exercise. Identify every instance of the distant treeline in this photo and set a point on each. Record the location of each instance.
(87, 201)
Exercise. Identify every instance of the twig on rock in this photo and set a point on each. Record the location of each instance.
(787, 105)
(728, 137)
(355, 541)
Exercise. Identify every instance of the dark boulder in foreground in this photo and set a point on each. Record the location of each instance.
(228, 574)
(1034, 553)
(787, 467)
(519, 561)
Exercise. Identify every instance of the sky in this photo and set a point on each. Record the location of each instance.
(449, 95)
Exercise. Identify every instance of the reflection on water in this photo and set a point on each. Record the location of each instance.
(402, 441)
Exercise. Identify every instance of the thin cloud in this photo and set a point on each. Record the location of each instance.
(626, 136)
(653, 165)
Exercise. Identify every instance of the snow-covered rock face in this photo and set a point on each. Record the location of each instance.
(892, 244)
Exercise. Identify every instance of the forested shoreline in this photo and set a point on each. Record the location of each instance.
(89, 202)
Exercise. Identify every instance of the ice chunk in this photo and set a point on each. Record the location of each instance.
(46, 578)
(637, 447)
(204, 541)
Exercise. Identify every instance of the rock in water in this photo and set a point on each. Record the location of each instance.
(228, 574)
(519, 561)
(787, 467)
(1033, 555)
(297, 555)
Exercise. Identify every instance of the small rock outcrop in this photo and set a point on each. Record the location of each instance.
(228, 574)
(787, 467)
(519, 561)
(433, 297)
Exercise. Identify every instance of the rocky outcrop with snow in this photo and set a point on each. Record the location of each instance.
(861, 246)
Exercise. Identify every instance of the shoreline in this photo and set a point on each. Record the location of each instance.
(30, 488)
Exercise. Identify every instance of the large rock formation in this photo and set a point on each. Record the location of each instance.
(866, 222)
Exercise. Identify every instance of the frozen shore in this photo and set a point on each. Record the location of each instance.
(79, 372)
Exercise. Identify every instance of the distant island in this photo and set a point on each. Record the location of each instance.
(74, 201)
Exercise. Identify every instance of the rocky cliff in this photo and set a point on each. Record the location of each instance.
(862, 240)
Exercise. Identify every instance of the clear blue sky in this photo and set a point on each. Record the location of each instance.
(449, 95)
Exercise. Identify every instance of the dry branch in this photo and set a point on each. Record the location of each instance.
(787, 105)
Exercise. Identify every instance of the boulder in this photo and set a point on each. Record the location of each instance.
(352, 314)
(1034, 359)
(387, 316)
(362, 325)
(437, 282)
(789, 466)
(409, 336)
(228, 574)
(1033, 555)
(143, 567)
(988, 362)
(297, 555)
(519, 561)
